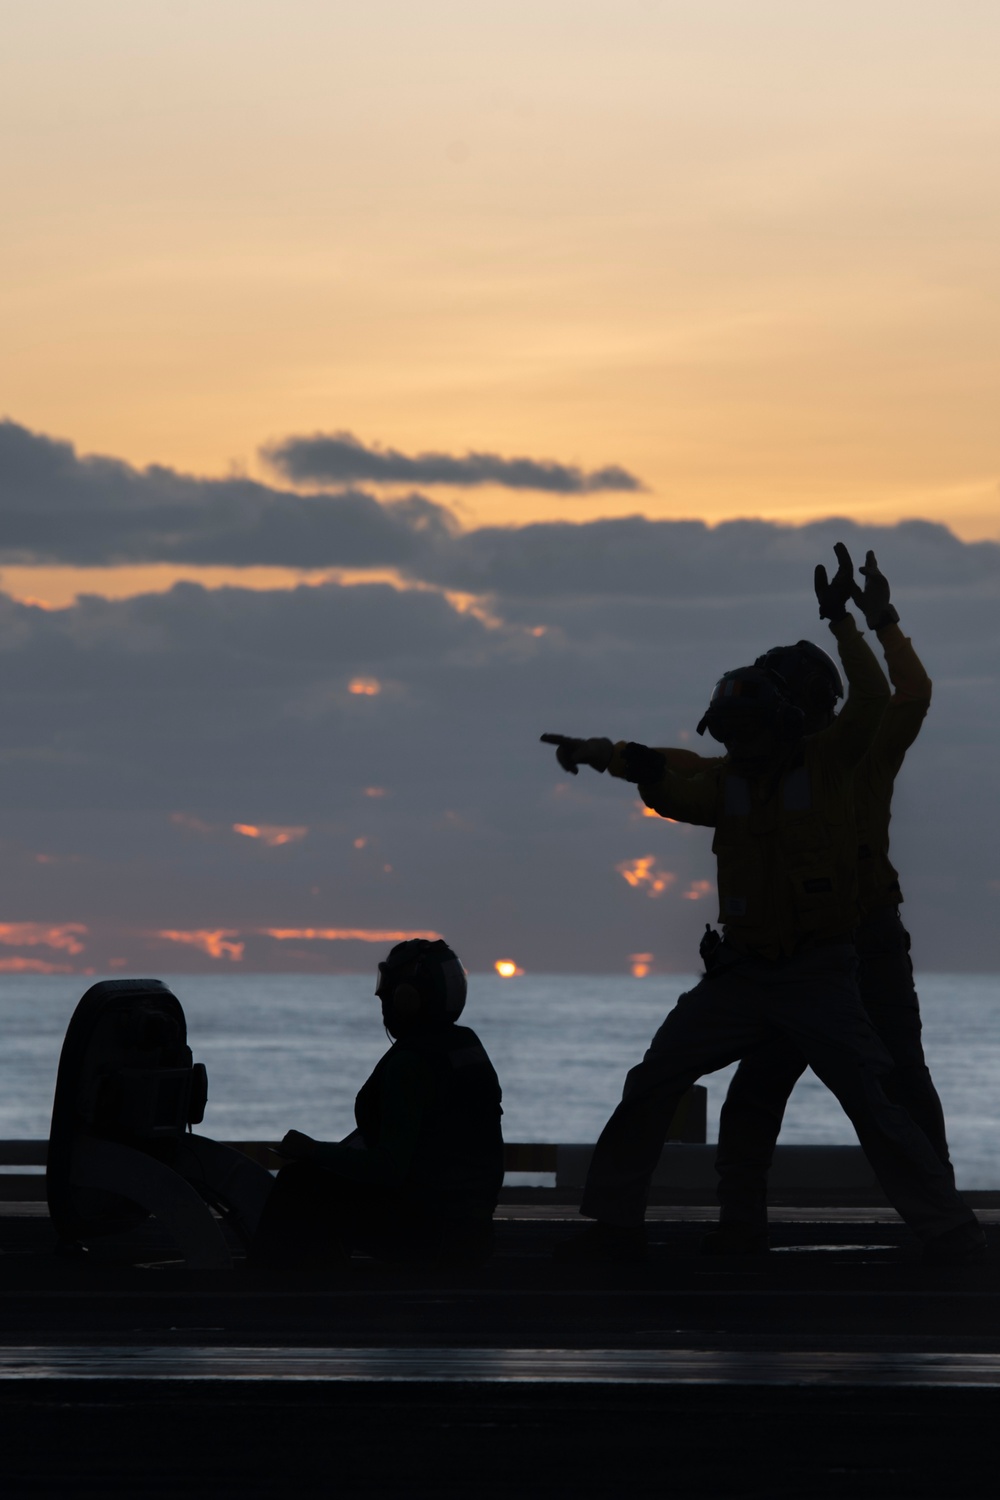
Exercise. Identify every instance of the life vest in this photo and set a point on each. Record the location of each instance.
(787, 858)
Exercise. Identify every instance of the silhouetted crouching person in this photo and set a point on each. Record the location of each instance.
(782, 809)
(420, 1177)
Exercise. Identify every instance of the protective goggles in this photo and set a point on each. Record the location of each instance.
(388, 975)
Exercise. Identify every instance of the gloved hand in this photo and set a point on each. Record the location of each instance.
(572, 754)
(873, 599)
(833, 593)
(643, 764)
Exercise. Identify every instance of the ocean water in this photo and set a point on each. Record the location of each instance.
(291, 1051)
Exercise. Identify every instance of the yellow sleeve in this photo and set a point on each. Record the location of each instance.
(689, 790)
(616, 765)
(855, 727)
(911, 696)
(684, 796)
(684, 762)
(906, 671)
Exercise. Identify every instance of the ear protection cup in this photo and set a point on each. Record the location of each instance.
(422, 982)
(406, 1002)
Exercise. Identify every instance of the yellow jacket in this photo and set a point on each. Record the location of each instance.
(785, 844)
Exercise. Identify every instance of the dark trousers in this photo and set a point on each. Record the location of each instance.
(813, 1000)
(755, 1104)
(314, 1218)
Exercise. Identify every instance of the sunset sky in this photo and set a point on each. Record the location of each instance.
(269, 269)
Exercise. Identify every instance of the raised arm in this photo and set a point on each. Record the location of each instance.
(853, 731)
(911, 686)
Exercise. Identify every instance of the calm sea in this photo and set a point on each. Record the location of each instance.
(286, 1051)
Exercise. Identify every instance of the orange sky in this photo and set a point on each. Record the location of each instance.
(750, 252)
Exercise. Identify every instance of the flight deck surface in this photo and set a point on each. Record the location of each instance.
(834, 1364)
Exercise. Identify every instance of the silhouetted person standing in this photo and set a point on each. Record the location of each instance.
(781, 805)
(420, 1177)
(755, 1104)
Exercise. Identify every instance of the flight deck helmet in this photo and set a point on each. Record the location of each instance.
(813, 678)
(751, 700)
(421, 984)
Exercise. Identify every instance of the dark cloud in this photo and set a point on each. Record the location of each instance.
(231, 706)
(339, 458)
(636, 558)
(56, 507)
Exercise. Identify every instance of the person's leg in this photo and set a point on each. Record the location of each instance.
(312, 1218)
(709, 1027)
(815, 1000)
(751, 1116)
(749, 1125)
(885, 980)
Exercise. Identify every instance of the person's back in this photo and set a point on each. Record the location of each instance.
(456, 1166)
(421, 1174)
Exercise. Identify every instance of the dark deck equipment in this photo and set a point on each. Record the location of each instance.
(127, 1092)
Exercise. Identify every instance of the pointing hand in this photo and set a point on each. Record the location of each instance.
(572, 754)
